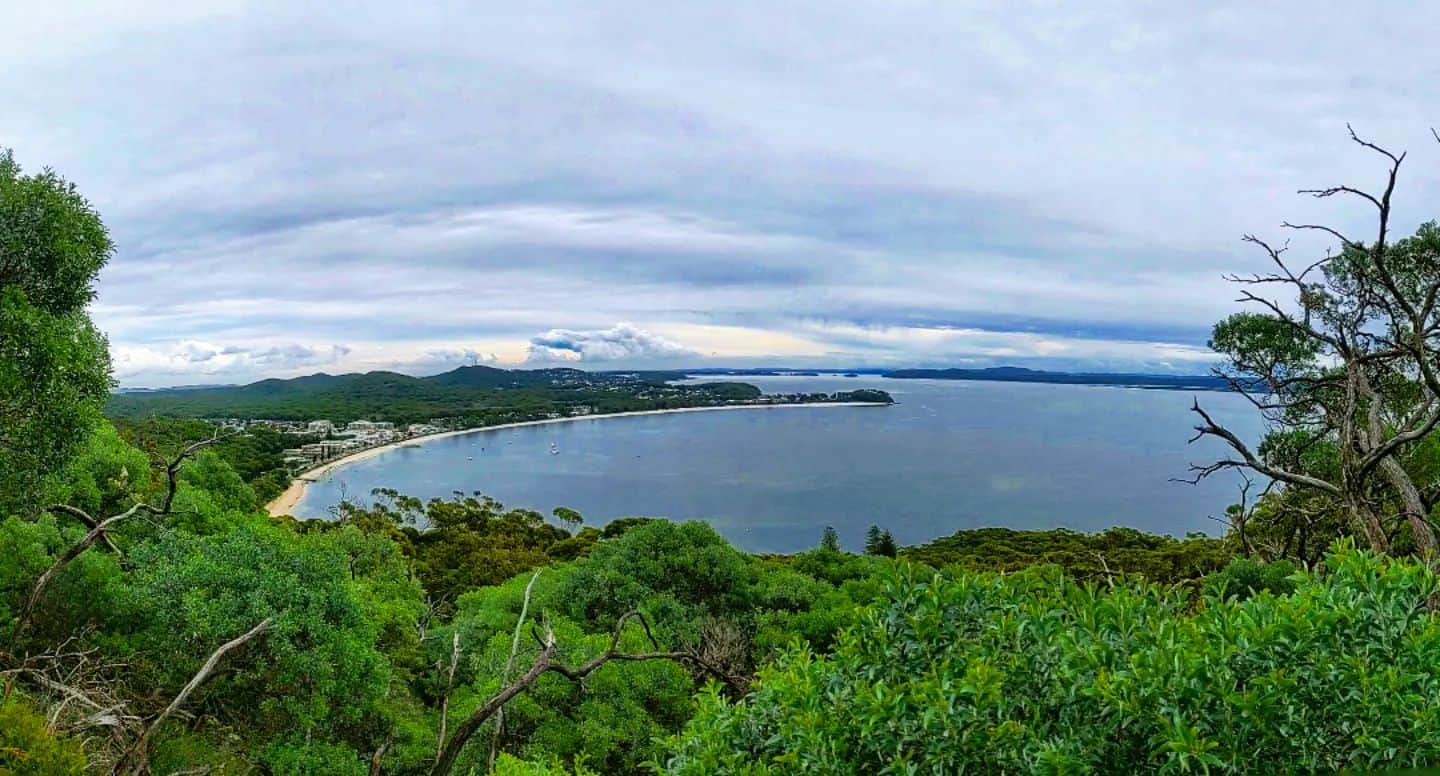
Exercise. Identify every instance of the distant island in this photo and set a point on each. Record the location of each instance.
(1009, 374)
(1015, 374)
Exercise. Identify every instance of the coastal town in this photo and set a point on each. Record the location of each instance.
(333, 441)
(337, 441)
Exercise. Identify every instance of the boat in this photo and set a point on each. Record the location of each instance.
(554, 449)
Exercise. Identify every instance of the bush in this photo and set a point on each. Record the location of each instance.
(686, 568)
(1035, 672)
(28, 748)
(1244, 577)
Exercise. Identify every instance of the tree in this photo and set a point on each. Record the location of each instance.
(54, 367)
(830, 539)
(879, 542)
(1345, 367)
(568, 517)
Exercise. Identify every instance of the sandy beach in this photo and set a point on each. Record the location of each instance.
(285, 502)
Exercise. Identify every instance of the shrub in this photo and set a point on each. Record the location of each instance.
(1036, 672)
(28, 748)
(1244, 577)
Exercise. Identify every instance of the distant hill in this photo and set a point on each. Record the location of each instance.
(469, 395)
(469, 391)
(1015, 374)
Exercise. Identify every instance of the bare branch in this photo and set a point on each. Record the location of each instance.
(69, 555)
(1395, 160)
(88, 521)
(1250, 461)
(1333, 190)
(172, 467)
(509, 665)
(135, 760)
(1344, 241)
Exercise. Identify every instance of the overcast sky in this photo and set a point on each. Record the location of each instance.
(616, 184)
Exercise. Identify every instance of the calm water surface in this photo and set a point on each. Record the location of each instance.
(949, 455)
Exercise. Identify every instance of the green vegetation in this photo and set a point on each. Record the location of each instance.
(54, 368)
(1037, 673)
(257, 455)
(1097, 556)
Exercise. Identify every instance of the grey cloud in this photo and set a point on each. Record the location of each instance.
(422, 180)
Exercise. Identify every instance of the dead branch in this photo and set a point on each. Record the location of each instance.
(98, 529)
(1250, 461)
(172, 467)
(136, 760)
(379, 756)
(86, 520)
(509, 666)
(449, 687)
(69, 555)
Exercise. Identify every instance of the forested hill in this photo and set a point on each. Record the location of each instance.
(1016, 374)
(469, 395)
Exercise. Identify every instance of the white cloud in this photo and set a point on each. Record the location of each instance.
(622, 342)
(200, 359)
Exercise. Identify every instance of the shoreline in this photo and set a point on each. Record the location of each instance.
(291, 496)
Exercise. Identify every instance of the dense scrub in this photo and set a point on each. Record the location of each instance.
(1086, 556)
(1038, 673)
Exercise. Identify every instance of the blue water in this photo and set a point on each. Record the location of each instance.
(948, 455)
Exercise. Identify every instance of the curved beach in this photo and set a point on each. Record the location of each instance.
(287, 501)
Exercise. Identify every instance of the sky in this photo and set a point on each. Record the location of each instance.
(417, 186)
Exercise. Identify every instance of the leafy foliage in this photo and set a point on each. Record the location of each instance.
(29, 748)
(1086, 556)
(1036, 672)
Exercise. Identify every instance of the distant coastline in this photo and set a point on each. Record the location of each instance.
(1013, 374)
(1004, 374)
(291, 497)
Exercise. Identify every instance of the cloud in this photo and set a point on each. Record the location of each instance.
(413, 181)
(197, 358)
(622, 342)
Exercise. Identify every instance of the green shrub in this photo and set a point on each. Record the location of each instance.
(297, 758)
(28, 748)
(1038, 673)
(1244, 577)
(686, 568)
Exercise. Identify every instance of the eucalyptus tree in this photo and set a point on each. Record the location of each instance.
(1341, 355)
(54, 367)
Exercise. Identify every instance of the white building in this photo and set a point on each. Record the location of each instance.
(368, 426)
(320, 427)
